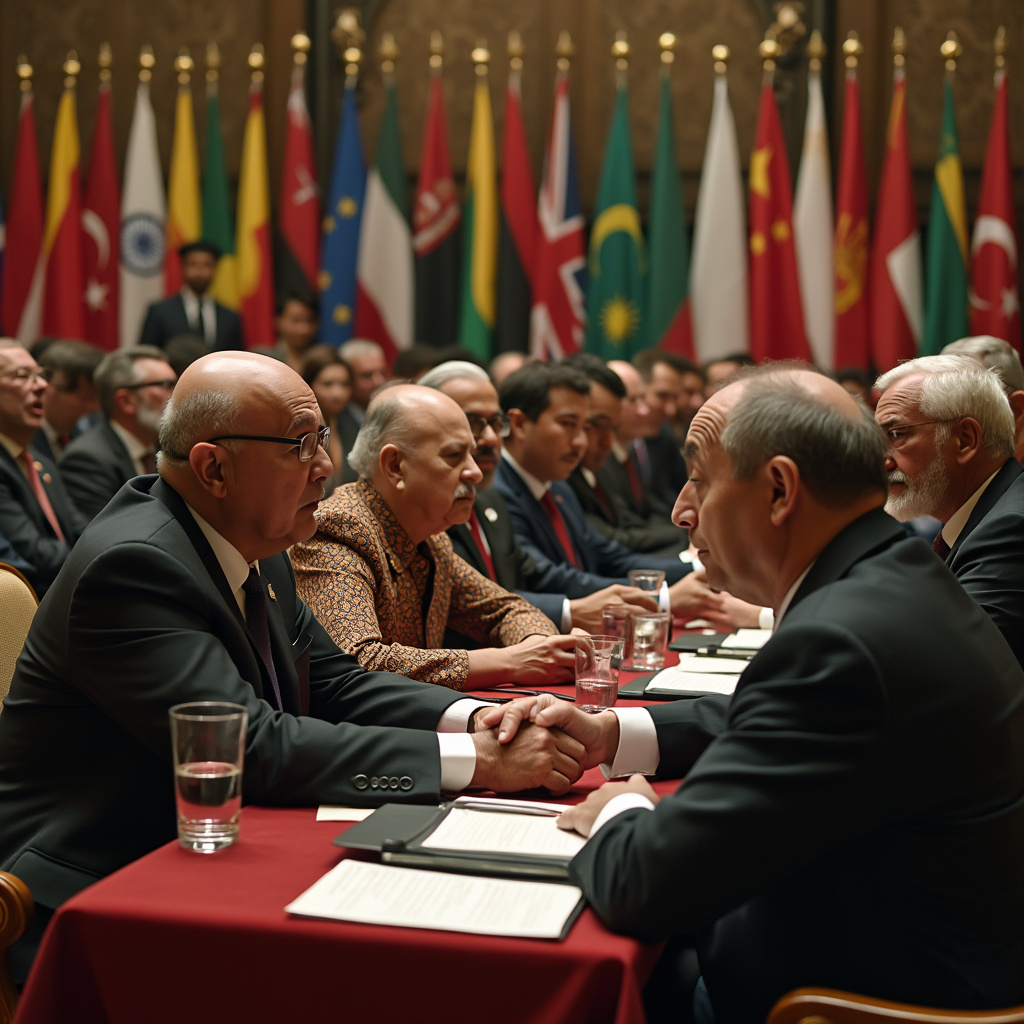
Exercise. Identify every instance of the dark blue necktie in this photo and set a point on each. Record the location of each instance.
(256, 620)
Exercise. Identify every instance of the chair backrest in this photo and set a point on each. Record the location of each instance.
(17, 910)
(18, 603)
(828, 1006)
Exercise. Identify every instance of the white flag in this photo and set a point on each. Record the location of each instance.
(143, 221)
(718, 274)
(814, 230)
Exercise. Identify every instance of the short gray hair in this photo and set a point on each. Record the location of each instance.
(197, 417)
(359, 347)
(952, 387)
(117, 370)
(995, 354)
(454, 369)
(841, 458)
(385, 423)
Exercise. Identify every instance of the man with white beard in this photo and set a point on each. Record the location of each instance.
(134, 386)
(951, 455)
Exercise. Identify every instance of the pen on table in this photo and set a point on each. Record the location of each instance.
(479, 805)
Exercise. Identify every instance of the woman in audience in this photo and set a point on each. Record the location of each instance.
(331, 380)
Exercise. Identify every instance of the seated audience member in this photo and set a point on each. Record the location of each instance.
(547, 410)
(37, 518)
(380, 573)
(853, 817)
(134, 386)
(180, 591)
(69, 398)
(183, 350)
(721, 371)
(857, 382)
(330, 380)
(569, 597)
(664, 374)
(411, 363)
(950, 456)
(369, 369)
(296, 325)
(504, 364)
(605, 509)
(1003, 358)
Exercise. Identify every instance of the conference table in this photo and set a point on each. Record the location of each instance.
(178, 936)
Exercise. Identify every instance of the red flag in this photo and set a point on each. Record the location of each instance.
(995, 301)
(299, 204)
(101, 223)
(852, 344)
(24, 271)
(776, 314)
(897, 306)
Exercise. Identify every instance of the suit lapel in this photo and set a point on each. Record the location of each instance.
(277, 590)
(995, 490)
(27, 499)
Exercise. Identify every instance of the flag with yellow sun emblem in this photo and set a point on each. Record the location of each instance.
(617, 263)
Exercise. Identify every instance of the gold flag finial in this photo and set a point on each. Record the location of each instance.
(105, 59)
(621, 51)
(388, 53)
(999, 45)
(899, 47)
(146, 62)
(301, 44)
(769, 51)
(816, 51)
(256, 60)
(24, 72)
(212, 63)
(436, 49)
(668, 42)
(951, 50)
(564, 51)
(720, 54)
(72, 68)
(514, 49)
(183, 65)
(481, 57)
(852, 50)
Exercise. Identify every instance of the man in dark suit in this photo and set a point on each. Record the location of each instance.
(134, 386)
(153, 610)
(71, 396)
(951, 456)
(37, 518)
(853, 817)
(193, 310)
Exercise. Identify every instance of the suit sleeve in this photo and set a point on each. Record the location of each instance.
(40, 550)
(89, 481)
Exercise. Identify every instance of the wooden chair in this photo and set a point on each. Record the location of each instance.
(827, 1006)
(18, 603)
(17, 910)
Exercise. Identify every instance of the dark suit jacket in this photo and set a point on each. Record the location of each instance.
(166, 319)
(596, 554)
(142, 618)
(854, 817)
(25, 527)
(988, 556)
(348, 426)
(94, 467)
(667, 469)
(615, 480)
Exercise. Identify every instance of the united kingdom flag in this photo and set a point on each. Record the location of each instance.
(558, 315)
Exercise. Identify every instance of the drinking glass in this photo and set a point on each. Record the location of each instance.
(650, 640)
(597, 672)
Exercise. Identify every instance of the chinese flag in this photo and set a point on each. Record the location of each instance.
(776, 314)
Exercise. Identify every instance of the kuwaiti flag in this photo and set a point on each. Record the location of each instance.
(21, 299)
(63, 305)
(184, 213)
(995, 299)
(719, 290)
(143, 221)
(384, 269)
(813, 227)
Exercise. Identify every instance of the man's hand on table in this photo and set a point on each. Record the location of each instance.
(533, 757)
(586, 611)
(542, 659)
(581, 817)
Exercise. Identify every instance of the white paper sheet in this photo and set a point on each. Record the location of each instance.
(673, 680)
(706, 664)
(327, 813)
(503, 832)
(382, 894)
(747, 640)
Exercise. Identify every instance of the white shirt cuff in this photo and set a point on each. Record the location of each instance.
(617, 805)
(458, 760)
(638, 750)
(766, 618)
(566, 616)
(456, 716)
(664, 600)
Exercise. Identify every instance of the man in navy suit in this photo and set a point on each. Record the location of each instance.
(951, 455)
(193, 310)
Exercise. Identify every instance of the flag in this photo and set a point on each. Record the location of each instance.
(63, 303)
(480, 229)
(896, 310)
(255, 272)
(668, 303)
(945, 311)
(719, 287)
(558, 316)
(617, 262)
(3, 246)
(435, 240)
(21, 300)
(776, 316)
(995, 301)
(517, 230)
(143, 216)
(853, 340)
(101, 222)
(298, 209)
(342, 220)
(814, 229)
(217, 221)
(184, 218)
(384, 271)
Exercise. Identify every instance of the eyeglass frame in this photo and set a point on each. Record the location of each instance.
(167, 385)
(322, 435)
(896, 445)
(22, 375)
(503, 429)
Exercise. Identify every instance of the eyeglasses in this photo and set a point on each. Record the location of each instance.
(498, 423)
(307, 444)
(23, 375)
(166, 385)
(899, 433)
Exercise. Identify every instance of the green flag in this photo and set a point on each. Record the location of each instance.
(617, 262)
(945, 315)
(217, 227)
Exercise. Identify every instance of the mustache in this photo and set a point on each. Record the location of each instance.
(465, 491)
(486, 451)
(896, 477)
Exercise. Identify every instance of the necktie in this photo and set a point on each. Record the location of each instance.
(940, 547)
(256, 620)
(643, 463)
(603, 501)
(478, 538)
(562, 531)
(41, 497)
(633, 475)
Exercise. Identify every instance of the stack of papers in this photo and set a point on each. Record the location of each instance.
(697, 674)
(745, 640)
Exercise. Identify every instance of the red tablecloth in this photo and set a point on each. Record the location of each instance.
(178, 936)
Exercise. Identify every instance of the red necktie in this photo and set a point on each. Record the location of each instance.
(478, 537)
(37, 489)
(633, 475)
(940, 547)
(602, 500)
(562, 531)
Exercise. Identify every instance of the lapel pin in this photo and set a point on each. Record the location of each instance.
(270, 591)
(491, 515)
